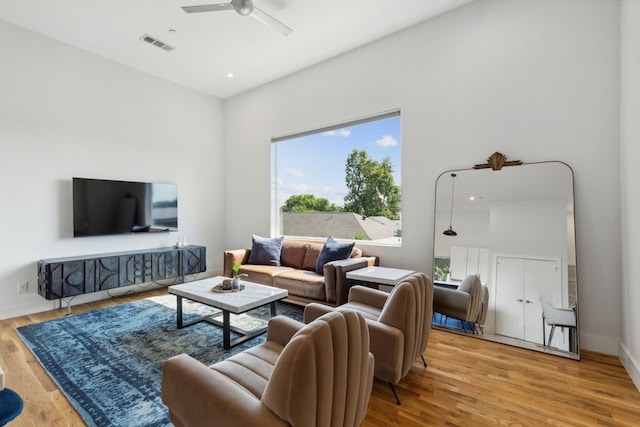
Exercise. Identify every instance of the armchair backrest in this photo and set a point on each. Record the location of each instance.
(472, 285)
(409, 308)
(484, 306)
(324, 375)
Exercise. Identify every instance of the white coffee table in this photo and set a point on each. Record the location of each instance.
(373, 277)
(252, 296)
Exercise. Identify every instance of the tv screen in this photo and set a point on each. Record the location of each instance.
(103, 207)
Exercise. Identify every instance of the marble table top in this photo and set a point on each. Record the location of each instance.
(252, 296)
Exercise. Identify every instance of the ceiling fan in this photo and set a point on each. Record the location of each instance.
(244, 8)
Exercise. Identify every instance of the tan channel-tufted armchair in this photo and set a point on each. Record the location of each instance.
(464, 303)
(399, 323)
(318, 374)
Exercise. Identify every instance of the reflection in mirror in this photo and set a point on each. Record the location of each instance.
(512, 262)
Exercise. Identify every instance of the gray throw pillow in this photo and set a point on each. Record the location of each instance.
(265, 251)
(333, 251)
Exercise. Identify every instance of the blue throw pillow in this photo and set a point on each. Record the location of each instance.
(265, 251)
(333, 251)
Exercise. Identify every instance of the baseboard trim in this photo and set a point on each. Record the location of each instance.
(599, 344)
(632, 367)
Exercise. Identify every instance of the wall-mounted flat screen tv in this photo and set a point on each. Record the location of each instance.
(103, 207)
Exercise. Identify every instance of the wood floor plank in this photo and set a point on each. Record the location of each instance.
(468, 382)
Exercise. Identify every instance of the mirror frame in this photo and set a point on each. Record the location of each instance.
(496, 162)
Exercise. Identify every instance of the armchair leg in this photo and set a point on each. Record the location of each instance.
(393, 389)
(424, 362)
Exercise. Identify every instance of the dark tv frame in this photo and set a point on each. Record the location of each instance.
(105, 207)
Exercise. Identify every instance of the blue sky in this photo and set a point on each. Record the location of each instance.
(315, 164)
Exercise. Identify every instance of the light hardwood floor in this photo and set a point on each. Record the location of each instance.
(468, 382)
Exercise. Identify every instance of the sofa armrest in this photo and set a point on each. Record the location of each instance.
(281, 329)
(386, 343)
(234, 256)
(451, 302)
(335, 278)
(372, 261)
(368, 296)
(196, 394)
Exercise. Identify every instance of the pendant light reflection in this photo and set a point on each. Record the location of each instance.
(449, 231)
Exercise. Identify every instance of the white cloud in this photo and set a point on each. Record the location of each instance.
(295, 172)
(338, 132)
(303, 188)
(386, 141)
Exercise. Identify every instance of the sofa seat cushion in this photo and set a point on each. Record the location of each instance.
(369, 312)
(252, 368)
(263, 274)
(301, 283)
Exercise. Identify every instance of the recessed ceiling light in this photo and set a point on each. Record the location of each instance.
(172, 31)
(230, 75)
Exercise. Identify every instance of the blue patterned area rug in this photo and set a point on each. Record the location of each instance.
(451, 323)
(108, 362)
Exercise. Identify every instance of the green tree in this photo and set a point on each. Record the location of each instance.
(308, 203)
(441, 269)
(372, 191)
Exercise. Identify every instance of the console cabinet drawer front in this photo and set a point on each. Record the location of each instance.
(107, 273)
(193, 260)
(166, 265)
(68, 277)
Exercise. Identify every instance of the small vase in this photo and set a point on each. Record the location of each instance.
(235, 283)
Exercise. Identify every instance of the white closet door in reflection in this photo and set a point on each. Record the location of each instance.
(519, 284)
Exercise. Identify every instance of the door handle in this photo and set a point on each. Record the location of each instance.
(529, 302)
(519, 299)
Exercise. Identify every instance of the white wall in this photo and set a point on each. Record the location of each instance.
(472, 228)
(629, 351)
(534, 80)
(66, 113)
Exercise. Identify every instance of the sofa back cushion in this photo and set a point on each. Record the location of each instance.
(293, 253)
(304, 255)
(311, 257)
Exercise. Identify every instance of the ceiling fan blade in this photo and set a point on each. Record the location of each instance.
(208, 8)
(271, 21)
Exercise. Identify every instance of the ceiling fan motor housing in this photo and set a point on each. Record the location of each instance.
(243, 7)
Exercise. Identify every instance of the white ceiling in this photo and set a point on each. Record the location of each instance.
(529, 182)
(210, 45)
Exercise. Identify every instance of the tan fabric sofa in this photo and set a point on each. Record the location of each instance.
(318, 374)
(297, 273)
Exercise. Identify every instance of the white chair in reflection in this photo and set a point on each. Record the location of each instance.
(552, 316)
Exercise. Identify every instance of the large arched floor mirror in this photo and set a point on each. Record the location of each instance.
(514, 228)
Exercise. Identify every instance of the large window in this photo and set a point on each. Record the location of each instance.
(342, 181)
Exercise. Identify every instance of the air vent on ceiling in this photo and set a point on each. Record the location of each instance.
(155, 42)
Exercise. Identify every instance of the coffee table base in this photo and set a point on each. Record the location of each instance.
(225, 325)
